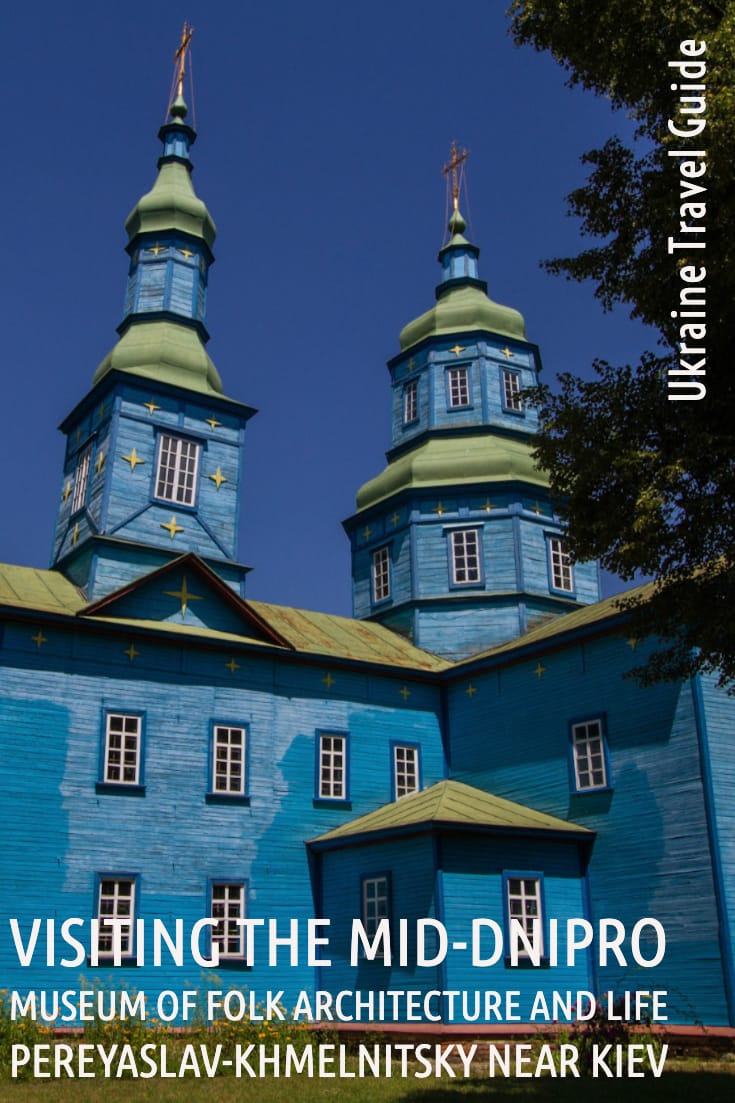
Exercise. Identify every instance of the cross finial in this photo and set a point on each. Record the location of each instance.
(459, 156)
(180, 55)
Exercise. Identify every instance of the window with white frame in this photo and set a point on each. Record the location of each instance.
(332, 767)
(561, 565)
(122, 749)
(411, 401)
(512, 391)
(405, 770)
(524, 904)
(588, 749)
(81, 479)
(115, 901)
(465, 554)
(381, 574)
(176, 473)
(228, 766)
(228, 907)
(375, 903)
(459, 387)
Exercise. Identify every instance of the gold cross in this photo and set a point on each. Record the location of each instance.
(458, 157)
(218, 478)
(171, 527)
(506, 353)
(471, 691)
(180, 55)
(328, 680)
(540, 670)
(131, 652)
(212, 422)
(100, 462)
(457, 349)
(232, 666)
(395, 518)
(39, 639)
(183, 595)
(75, 536)
(67, 491)
(151, 406)
(439, 510)
(133, 459)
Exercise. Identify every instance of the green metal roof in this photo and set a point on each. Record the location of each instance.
(460, 310)
(172, 204)
(452, 803)
(31, 588)
(167, 352)
(454, 461)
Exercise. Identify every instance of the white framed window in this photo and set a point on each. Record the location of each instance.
(465, 555)
(405, 771)
(375, 902)
(459, 387)
(411, 401)
(122, 749)
(381, 574)
(228, 906)
(588, 752)
(524, 904)
(115, 900)
(512, 391)
(228, 760)
(81, 479)
(332, 767)
(561, 565)
(176, 472)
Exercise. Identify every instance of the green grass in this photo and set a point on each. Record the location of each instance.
(691, 1082)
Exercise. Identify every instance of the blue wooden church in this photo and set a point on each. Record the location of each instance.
(465, 751)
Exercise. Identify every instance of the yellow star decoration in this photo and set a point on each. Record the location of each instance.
(439, 510)
(410, 365)
(131, 652)
(100, 462)
(185, 253)
(171, 527)
(488, 505)
(632, 643)
(212, 422)
(39, 639)
(367, 533)
(540, 670)
(457, 349)
(183, 595)
(102, 411)
(151, 406)
(395, 519)
(232, 666)
(156, 249)
(471, 691)
(133, 459)
(78, 433)
(328, 680)
(405, 692)
(66, 492)
(218, 478)
(75, 536)
(506, 353)
(537, 509)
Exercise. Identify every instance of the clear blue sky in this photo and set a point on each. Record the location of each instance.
(322, 131)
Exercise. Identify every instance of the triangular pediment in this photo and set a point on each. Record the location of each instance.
(187, 594)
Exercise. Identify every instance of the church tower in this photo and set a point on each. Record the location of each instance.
(456, 544)
(153, 450)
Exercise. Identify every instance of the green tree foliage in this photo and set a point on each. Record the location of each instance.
(648, 484)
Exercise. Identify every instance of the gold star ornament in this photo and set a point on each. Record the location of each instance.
(171, 527)
(184, 595)
(218, 478)
(133, 459)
